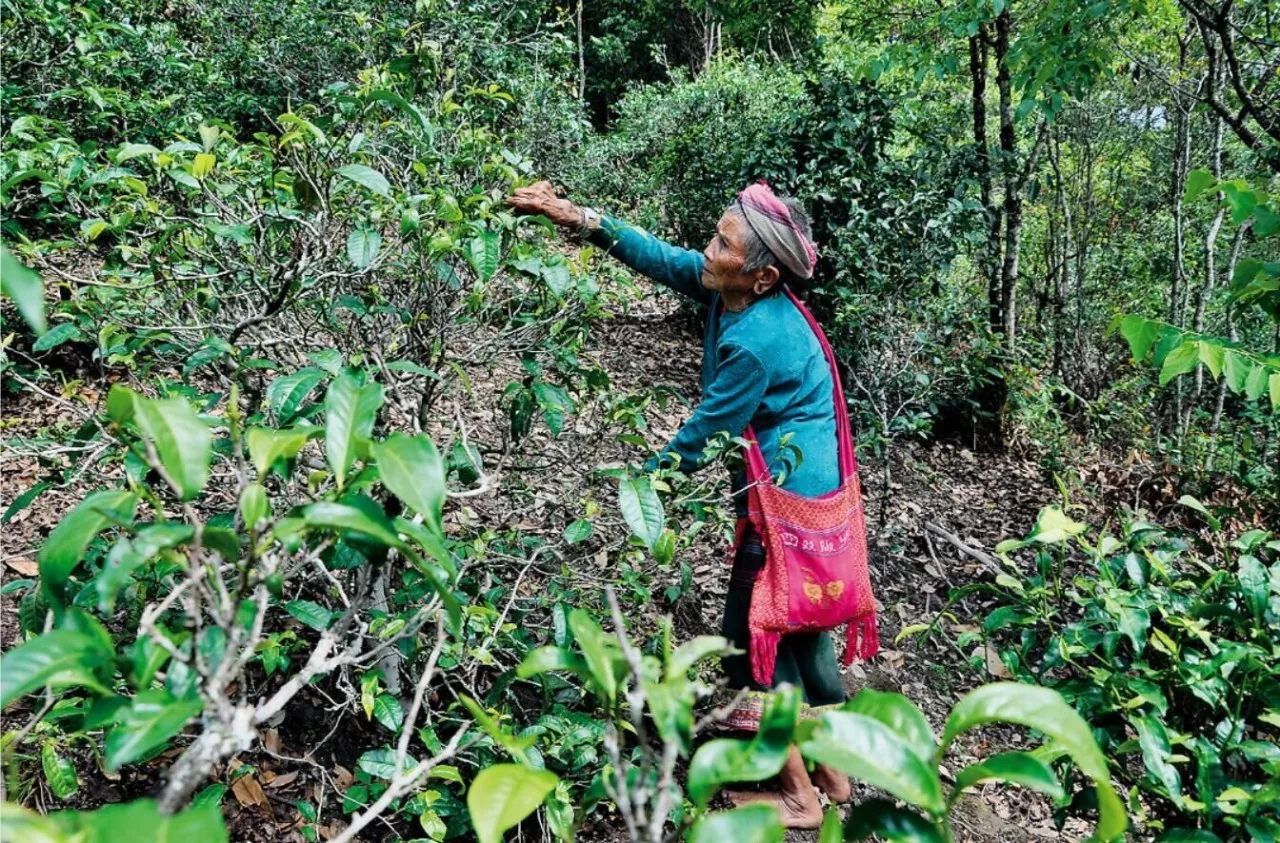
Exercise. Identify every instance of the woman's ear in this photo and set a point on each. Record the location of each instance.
(765, 280)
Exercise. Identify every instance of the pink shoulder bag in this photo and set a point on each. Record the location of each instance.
(815, 575)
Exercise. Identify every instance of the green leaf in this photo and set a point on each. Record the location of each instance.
(690, 653)
(266, 445)
(58, 772)
(1198, 181)
(137, 820)
(366, 177)
(1054, 526)
(641, 509)
(1256, 383)
(1274, 388)
(25, 288)
(592, 640)
(1253, 579)
(1153, 739)
(890, 823)
(60, 333)
(867, 749)
(1020, 768)
(254, 506)
(484, 252)
(351, 409)
(748, 824)
(551, 658)
(311, 614)
(1192, 503)
(1140, 333)
(65, 546)
(381, 763)
(152, 718)
(502, 795)
(1211, 355)
(830, 831)
(388, 711)
(362, 246)
(410, 466)
(183, 443)
(578, 531)
(1180, 361)
(211, 795)
(724, 760)
(1044, 710)
(60, 659)
(130, 553)
(203, 165)
(286, 394)
(1236, 367)
(900, 715)
(342, 516)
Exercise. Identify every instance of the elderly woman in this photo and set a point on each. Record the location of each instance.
(762, 365)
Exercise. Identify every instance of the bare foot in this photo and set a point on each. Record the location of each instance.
(795, 813)
(833, 783)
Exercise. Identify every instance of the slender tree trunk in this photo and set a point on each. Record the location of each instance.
(989, 256)
(582, 56)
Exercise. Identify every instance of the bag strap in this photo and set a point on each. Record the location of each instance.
(757, 468)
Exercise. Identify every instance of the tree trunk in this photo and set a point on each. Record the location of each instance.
(989, 254)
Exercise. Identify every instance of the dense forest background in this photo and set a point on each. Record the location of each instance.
(322, 518)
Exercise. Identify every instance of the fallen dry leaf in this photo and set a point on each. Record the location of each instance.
(23, 566)
(248, 792)
(281, 781)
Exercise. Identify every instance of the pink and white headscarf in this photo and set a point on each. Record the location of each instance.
(771, 221)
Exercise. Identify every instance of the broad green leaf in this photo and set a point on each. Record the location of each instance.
(1192, 503)
(1140, 333)
(286, 394)
(888, 822)
(1236, 368)
(1054, 526)
(362, 246)
(556, 274)
(208, 137)
(254, 506)
(831, 831)
(351, 409)
(56, 336)
(552, 658)
(690, 653)
(183, 443)
(344, 516)
(312, 614)
(1273, 385)
(62, 658)
(138, 820)
(1180, 361)
(502, 795)
(725, 760)
(1256, 383)
(597, 651)
(1044, 710)
(130, 151)
(517, 747)
(65, 546)
(641, 509)
(1253, 579)
(388, 711)
(203, 164)
(748, 824)
(152, 718)
(900, 715)
(578, 531)
(869, 750)
(25, 288)
(211, 795)
(1211, 355)
(267, 445)
(381, 763)
(1020, 768)
(410, 466)
(1198, 181)
(483, 252)
(1153, 739)
(59, 772)
(366, 177)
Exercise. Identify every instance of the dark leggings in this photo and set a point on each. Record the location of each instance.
(805, 659)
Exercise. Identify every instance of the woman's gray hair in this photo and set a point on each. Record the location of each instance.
(756, 254)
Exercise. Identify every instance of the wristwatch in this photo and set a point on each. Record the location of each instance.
(590, 221)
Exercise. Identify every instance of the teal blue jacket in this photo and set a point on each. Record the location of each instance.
(761, 366)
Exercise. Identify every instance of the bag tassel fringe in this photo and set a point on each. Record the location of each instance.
(862, 639)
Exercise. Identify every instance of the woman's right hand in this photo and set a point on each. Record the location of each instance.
(540, 198)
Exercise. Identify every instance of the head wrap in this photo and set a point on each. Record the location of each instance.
(771, 221)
